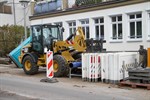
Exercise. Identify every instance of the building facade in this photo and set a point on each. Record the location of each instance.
(12, 13)
(124, 24)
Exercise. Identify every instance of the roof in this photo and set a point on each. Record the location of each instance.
(87, 8)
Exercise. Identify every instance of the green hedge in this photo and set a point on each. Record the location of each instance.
(10, 37)
(86, 2)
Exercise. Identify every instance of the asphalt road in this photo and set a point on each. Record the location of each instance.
(50, 91)
(25, 87)
(4, 95)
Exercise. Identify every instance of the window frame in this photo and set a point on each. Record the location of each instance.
(99, 24)
(6, 9)
(135, 20)
(72, 27)
(61, 25)
(116, 23)
(85, 26)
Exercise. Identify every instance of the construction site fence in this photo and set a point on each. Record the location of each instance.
(108, 67)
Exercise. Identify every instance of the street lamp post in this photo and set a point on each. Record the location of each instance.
(14, 12)
(24, 3)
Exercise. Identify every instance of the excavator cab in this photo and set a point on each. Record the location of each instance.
(43, 37)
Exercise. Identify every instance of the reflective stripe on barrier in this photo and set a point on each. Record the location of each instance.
(49, 64)
(91, 67)
(110, 67)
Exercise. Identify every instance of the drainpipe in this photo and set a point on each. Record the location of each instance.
(14, 11)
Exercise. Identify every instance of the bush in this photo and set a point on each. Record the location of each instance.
(87, 2)
(10, 38)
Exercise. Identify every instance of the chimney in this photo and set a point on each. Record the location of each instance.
(32, 5)
(64, 4)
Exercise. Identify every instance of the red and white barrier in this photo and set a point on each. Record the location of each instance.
(49, 64)
(91, 67)
(110, 67)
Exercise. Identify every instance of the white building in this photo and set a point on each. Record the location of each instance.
(11, 15)
(124, 24)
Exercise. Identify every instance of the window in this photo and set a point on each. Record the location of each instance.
(135, 26)
(61, 25)
(5, 9)
(99, 28)
(116, 27)
(72, 27)
(85, 27)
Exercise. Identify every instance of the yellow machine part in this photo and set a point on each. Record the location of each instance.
(148, 57)
(42, 60)
(28, 65)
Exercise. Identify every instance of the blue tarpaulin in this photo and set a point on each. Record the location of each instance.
(44, 7)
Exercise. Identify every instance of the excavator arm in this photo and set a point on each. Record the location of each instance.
(79, 40)
(75, 42)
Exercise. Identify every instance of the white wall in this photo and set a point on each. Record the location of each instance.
(9, 18)
(125, 43)
(5, 19)
(71, 3)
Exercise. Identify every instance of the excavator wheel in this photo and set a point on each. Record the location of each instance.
(60, 66)
(29, 66)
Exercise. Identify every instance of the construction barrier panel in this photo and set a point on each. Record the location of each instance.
(92, 68)
(49, 64)
(116, 65)
(110, 67)
(126, 60)
(84, 66)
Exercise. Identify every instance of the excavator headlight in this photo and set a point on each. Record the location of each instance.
(45, 49)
